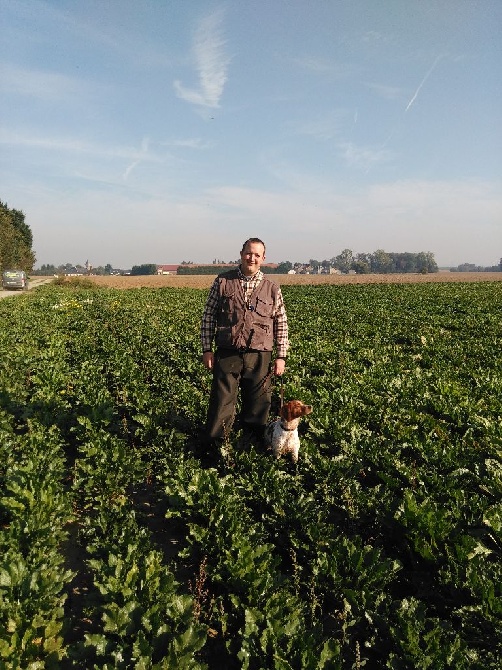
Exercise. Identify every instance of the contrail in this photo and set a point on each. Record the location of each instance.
(422, 83)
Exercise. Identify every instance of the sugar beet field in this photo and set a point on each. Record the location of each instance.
(382, 548)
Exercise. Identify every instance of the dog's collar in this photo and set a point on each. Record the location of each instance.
(288, 429)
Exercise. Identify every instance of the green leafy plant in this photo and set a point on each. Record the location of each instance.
(381, 548)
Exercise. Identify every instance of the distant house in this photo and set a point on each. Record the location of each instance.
(167, 269)
(75, 272)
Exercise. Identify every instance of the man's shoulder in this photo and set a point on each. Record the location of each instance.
(267, 279)
(228, 274)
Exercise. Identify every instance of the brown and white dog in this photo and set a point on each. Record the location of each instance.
(282, 434)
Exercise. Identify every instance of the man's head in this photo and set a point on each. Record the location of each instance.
(252, 256)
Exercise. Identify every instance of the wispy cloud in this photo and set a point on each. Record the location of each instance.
(143, 155)
(211, 63)
(325, 66)
(407, 215)
(364, 158)
(386, 92)
(189, 143)
(325, 126)
(427, 75)
(373, 36)
(78, 146)
(39, 84)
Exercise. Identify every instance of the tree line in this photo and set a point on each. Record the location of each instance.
(378, 262)
(16, 241)
(50, 270)
(470, 267)
(16, 252)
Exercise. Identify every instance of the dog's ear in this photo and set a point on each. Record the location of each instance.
(287, 411)
(294, 409)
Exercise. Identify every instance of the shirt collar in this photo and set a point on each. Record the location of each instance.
(241, 275)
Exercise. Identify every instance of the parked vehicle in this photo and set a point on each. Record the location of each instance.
(14, 279)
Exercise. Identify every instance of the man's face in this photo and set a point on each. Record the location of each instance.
(252, 257)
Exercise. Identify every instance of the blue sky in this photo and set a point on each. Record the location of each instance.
(156, 131)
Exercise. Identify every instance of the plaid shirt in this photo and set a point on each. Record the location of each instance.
(209, 318)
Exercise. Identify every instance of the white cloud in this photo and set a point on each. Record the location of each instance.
(40, 84)
(144, 156)
(325, 66)
(78, 146)
(82, 160)
(211, 63)
(364, 158)
(387, 92)
(325, 126)
(189, 143)
(458, 221)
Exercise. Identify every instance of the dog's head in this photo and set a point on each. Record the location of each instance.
(294, 409)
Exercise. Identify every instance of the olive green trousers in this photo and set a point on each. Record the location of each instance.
(250, 372)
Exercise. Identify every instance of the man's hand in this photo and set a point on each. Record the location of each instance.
(279, 366)
(208, 359)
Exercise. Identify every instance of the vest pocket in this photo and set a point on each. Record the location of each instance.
(227, 304)
(264, 308)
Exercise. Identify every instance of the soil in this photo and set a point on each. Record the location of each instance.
(205, 281)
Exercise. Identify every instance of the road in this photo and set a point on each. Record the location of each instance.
(33, 283)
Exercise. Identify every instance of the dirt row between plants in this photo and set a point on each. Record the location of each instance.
(205, 281)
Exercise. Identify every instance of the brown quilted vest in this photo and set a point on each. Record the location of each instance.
(241, 326)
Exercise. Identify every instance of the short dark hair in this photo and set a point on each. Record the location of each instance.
(253, 240)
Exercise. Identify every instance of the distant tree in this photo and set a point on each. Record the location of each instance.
(344, 260)
(46, 270)
(426, 262)
(467, 267)
(470, 267)
(20, 225)
(15, 240)
(284, 267)
(362, 264)
(108, 269)
(9, 243)
(381, 261)
(145, 269)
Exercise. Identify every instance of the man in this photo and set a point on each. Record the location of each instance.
(246, 319)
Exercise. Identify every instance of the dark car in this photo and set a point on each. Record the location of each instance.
(15, 279)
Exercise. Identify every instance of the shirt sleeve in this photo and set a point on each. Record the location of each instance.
(281, 337)
(208, 325)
